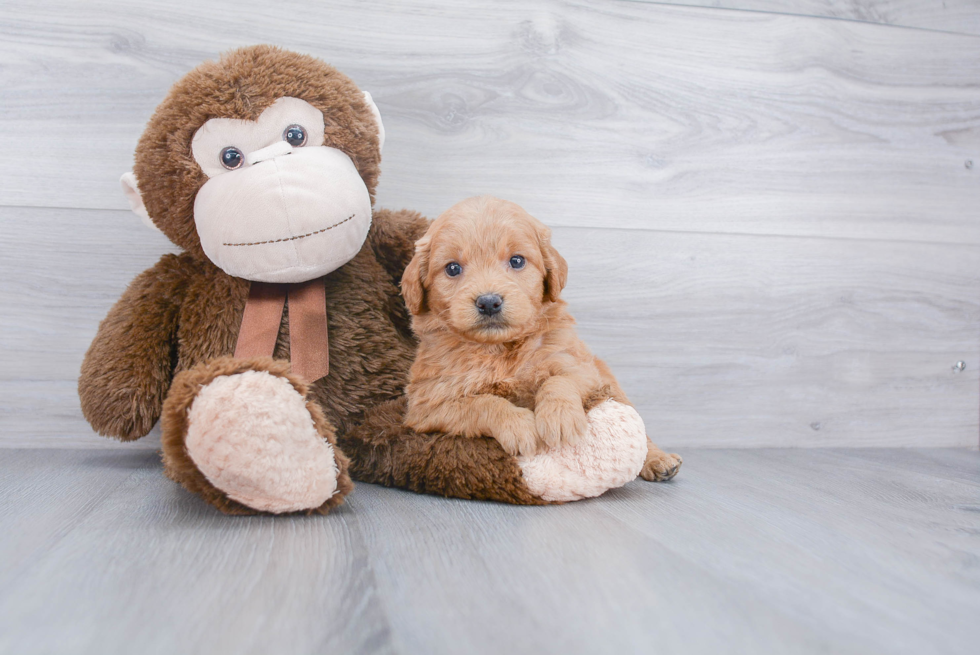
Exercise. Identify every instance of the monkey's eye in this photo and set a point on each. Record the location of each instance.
(453, 269)
(294, 135)
(232, 158)
(517, 262)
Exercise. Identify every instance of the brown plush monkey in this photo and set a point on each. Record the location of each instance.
(277, 341)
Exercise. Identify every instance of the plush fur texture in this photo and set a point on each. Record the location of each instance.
(252, 436)
(180, 465)
(242, 84)
(173, 331)
(185, 311)
(383, 451)
(610, 454)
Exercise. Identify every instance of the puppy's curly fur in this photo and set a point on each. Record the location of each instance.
(498, 353)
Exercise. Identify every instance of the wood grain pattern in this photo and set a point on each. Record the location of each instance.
(960, 16)
(768, 551)
(720, 340)
(819, 516)
(123, 572)
(607, 113)
(770, 215)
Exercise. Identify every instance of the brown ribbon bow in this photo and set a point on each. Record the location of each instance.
(308, 347)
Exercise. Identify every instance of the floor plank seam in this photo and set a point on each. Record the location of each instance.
(88, 508)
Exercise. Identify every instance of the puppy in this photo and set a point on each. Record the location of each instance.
(498, 355)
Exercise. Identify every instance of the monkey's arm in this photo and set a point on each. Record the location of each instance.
(384, 451)
(128, 368)
(392, 237)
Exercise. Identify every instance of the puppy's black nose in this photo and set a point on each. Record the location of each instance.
(489, 304)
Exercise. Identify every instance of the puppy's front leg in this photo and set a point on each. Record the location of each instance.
(515, 428)
(559, 416)
(477, 416)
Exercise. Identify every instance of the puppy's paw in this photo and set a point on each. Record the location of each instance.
(560, 421)
(659, 466)
(517, 435)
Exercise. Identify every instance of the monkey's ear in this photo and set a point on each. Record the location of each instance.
(132, 192)
(413, 279)
(377, 119)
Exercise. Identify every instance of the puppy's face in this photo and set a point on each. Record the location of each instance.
(486, 269)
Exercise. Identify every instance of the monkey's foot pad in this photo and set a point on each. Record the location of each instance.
(253, 438)
(608, 456)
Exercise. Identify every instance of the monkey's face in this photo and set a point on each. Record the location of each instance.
(264, 162)
(278, 204)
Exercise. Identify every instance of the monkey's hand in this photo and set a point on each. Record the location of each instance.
(392, 237)
(128, 368)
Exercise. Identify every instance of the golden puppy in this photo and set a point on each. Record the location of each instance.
(498, 355)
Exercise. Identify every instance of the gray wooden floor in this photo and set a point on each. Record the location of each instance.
(764, 551)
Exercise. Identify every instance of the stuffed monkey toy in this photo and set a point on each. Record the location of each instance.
(275, 347)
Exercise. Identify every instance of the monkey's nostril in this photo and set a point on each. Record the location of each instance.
(489, 304)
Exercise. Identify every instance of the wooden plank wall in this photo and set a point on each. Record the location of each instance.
(770, 209)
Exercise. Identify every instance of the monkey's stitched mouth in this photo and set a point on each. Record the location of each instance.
(301, 236)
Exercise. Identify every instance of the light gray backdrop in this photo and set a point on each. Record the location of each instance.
(769, 209)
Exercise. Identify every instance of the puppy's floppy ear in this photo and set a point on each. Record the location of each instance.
(555, 266)
(413, 279)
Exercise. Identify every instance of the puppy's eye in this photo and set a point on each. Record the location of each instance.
(517, 262)
(294, 135)
(453, 269)
(232, 158)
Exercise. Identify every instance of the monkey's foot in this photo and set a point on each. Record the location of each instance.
(659, 466)
(610, 454)
(243, 435)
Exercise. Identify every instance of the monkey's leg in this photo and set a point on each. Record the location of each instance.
(243, 435)
(383, 451)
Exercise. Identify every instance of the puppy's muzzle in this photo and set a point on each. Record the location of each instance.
(489, 304)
